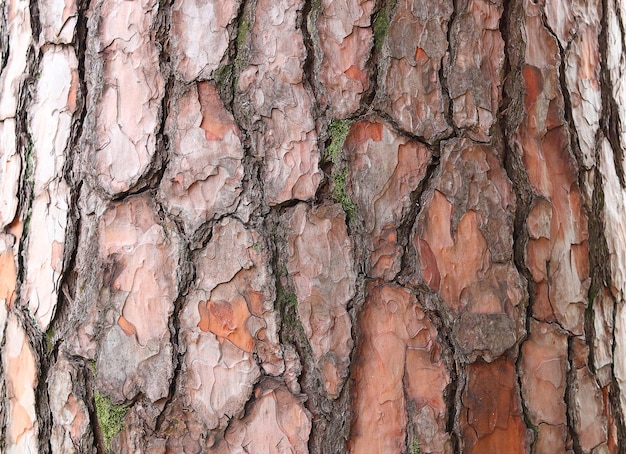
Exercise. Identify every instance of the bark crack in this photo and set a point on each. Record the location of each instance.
(610, 122)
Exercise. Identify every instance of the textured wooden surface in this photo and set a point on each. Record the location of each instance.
(313, 226)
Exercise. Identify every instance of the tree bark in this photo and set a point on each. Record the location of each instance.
(365, 226)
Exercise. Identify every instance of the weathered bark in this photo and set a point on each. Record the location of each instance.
(328, 226)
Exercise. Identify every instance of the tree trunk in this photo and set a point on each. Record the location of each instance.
(330, 226)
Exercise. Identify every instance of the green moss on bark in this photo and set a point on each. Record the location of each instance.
(110, 417)
(381, 23)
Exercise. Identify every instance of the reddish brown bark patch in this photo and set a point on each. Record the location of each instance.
(491, 417)
(463, 243)
(398, 345)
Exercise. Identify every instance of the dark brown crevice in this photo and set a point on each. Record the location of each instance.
(458, 384)
(309, 65)
(186, 275)
(70, 248)
(610, 122)
(419, 202)
(448, 103)
(510, 117)
(35, 23)
(382, 13)
(37, 343)
(5, 48)
(161, 152)
(599, 258)
(240, 104)
(570, 397)
(405, 230)
(329, 422)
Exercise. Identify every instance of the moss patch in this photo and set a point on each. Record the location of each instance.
(340, 193)
(291, 328)
(110, 417)
(50, 339)
(224, 77)
(338, 131)
(243, 29)
(381, 23)
(414, 448)
(287, 303)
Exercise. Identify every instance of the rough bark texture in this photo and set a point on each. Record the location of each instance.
(365, 226)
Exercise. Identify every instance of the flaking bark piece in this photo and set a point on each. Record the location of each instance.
(345, 38)
(20, 380)
(125, 100)
(203, 178)
(200, 35)
(558, 257)
(463, 238)
(227, 320)
(50, 126)
(417, 43)
(384, 169)
(275, 422)
(140, 260)
(71, 426)
(398, 359)
(278, 103)
(321, 265)
(474, 74)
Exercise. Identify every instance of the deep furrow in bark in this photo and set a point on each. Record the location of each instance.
(610, 121)
(510, 118)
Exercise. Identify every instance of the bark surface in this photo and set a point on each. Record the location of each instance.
(269, 226)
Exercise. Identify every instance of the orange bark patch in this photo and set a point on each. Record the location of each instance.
(534, 85)
(56, 260)
(255, 301)
(128, 328)
(421, 57)
(458, 260)
(428, 262)
(613, 445)
(398, 345)
(20, 372)
(365, 130)
(72, 95)
(15, 228)
(8, 275)
(355, 73)
(216, 121)
(227, 320)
